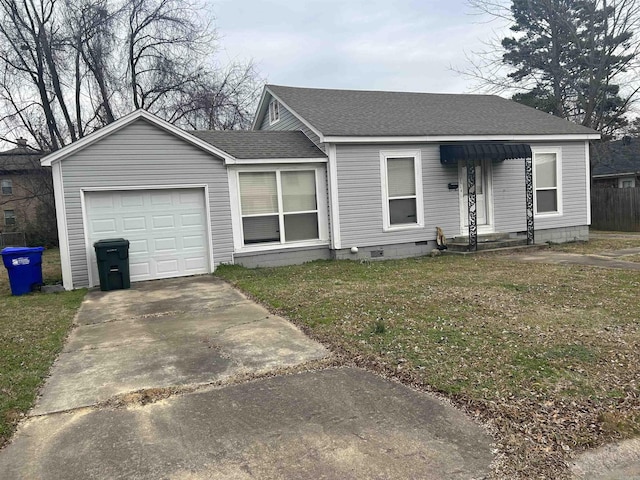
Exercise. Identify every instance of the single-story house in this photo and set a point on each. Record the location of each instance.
(323, 174)
(616, 163)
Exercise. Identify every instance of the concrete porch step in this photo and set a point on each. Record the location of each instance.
(483, 237)
(485, 243)
(516, 248)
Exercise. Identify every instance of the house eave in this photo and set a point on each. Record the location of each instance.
(119, 124)
(259, 111)
(614, 175)
(273, 161)
(458, 138)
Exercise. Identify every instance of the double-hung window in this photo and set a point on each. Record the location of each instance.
(6, 185)
(274, 111)
(401, 189)
(279, 206)
(547, 182)
(9, 217)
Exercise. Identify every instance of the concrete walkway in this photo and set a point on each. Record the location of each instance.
(620, 461)
(605, 259)
(613, 259)
(604, 235)
(160, 382)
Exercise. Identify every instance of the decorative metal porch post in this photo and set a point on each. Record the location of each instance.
(471, 196)
(528, 181)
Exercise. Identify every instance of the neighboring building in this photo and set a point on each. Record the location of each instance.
(345, 174)
(24, 186)
(617, 163)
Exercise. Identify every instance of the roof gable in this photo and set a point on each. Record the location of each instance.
(361, 113)
(118, 125)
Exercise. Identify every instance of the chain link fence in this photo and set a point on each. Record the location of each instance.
(12, 239)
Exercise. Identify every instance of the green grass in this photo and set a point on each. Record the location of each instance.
(32, 330)
(549, 355)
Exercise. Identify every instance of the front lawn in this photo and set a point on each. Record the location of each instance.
(548, 356)
(32, 330)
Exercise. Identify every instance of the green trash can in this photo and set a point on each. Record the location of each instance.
(113, 263)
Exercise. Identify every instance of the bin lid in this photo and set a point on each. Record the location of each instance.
(111, 242)
(21, 250)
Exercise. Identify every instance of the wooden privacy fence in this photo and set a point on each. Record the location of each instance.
(615, 209)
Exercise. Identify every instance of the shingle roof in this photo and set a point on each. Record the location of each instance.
(375, 113)
(612, 158)
(20, 159)
(261, 144)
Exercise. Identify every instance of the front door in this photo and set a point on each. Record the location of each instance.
(483, 197)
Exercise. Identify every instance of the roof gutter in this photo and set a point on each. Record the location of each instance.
(458, 138)
(612, 175)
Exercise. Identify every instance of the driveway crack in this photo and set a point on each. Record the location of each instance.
(151, 395)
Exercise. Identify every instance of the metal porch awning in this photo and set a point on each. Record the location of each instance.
(451, 154)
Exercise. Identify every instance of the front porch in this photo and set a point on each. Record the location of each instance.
(475, 161)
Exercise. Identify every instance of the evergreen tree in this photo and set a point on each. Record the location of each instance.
(572, 58)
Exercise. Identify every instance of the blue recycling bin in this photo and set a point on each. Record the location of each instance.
(24, 266)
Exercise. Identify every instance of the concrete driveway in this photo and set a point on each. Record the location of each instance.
(166, 333)
(160, 382)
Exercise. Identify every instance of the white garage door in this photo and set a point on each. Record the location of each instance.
(167, 230)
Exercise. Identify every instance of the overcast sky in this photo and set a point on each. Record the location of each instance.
(404, 45)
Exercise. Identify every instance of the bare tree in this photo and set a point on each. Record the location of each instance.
(222, 101)
(68, 67)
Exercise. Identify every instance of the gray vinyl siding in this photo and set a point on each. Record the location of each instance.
(509, 191)
(143, 155)
(360, 196)
(509, 196)
(288, 121)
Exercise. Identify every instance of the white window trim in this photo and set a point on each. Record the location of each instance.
(627, 179)
(321, 199)
(274, 111)
(558, 153)
(9, 186)
(417, 163)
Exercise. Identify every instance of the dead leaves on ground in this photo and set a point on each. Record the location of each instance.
(547, 356)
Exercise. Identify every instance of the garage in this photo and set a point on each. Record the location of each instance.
(173, 195)
(167, 230)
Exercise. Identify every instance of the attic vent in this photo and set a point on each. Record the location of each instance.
(626, 140)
